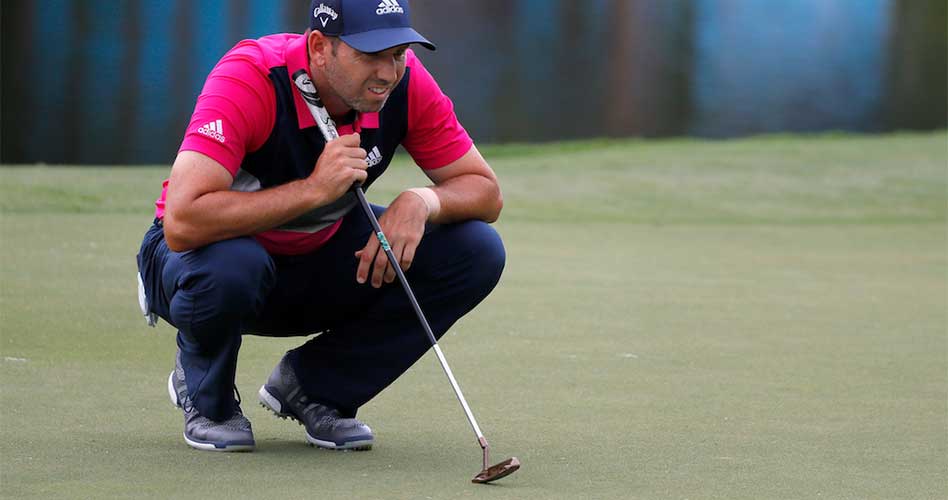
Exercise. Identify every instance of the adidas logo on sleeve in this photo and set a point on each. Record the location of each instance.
(389, 7)
(214, 130)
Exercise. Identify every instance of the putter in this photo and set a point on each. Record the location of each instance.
(328, 128)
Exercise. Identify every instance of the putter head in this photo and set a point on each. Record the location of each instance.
(495, 472)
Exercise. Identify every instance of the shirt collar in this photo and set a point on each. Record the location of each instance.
(297, 59)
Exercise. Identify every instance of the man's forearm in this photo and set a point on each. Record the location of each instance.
(221, 215)
(200, 207)
(466, 197)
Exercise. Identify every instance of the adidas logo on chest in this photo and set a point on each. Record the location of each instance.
(374, 157)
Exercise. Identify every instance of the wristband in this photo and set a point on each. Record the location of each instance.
(427, 195)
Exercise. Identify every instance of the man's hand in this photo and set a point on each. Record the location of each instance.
(341, 164)
(403, 224)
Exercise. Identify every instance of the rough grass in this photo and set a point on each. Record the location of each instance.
(762, 318)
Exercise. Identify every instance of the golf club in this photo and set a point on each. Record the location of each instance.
(326, 125)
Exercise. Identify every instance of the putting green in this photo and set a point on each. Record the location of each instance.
(761, 318)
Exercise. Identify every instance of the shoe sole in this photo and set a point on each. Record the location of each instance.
(198, 445)
(273, 404)
(173, 394)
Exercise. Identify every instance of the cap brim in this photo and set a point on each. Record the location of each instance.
(384, 39)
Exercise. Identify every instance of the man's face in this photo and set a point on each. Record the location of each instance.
(363, 81)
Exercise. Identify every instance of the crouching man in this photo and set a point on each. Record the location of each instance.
(257, 229)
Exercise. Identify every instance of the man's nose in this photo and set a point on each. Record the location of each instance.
(386, 70)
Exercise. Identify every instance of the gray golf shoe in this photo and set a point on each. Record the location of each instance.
(325, 426)
(233, 434)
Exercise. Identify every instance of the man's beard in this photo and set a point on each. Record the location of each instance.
(363, 105)
(349, 92)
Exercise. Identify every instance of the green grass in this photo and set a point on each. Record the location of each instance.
(760, 318)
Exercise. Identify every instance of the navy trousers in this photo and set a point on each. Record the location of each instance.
(367, 337)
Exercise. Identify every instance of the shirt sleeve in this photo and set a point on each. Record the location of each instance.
(236, 110)
(434, 138)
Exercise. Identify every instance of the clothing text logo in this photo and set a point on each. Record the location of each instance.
(374, 157)
(327, 12)
(389, 7)
(214, 130)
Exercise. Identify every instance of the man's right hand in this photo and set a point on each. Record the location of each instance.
(341, 164)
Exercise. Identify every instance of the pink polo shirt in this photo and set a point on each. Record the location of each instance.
(236, 111)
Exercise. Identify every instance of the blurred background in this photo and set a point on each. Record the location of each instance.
(114, 81)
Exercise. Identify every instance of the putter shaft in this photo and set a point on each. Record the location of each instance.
(489, 473)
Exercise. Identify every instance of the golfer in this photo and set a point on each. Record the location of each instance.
(257, 229)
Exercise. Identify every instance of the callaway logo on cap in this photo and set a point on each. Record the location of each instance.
(366, 25)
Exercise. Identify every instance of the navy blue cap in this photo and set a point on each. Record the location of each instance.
(366, 25)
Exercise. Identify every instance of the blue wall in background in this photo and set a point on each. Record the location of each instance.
(114, 81)
(818, 65)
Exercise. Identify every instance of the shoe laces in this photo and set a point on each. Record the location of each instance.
(187, 405)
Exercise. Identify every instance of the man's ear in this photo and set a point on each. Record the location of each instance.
(318, 46)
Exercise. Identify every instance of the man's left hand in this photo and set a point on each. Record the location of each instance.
(403, 224)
